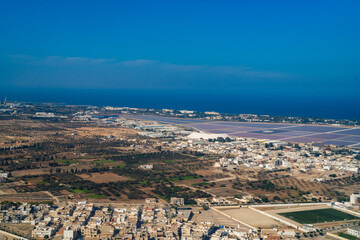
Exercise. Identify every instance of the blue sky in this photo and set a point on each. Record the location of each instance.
(292, 47)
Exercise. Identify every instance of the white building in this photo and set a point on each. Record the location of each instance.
(3, 175)
(146, 167)
(355, 198)
(69, 234)
(206, 136)
(354, 231)
(176, 201)
(150, 200)
(41, 232)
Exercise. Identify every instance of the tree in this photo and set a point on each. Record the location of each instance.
(276, 198)
(205, 207)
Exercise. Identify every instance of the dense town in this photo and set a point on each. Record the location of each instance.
(75, 220)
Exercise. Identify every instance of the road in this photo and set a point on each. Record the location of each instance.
(52, 196)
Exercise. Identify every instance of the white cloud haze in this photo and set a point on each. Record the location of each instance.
(82, 72)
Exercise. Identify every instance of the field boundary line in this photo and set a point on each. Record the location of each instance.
(289, 204)
(237, 220)
(336, 236)
(12, 235)
(278, 219)
(347, 211)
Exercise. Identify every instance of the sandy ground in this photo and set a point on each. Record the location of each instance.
(23, 197)
(293, 208)
(297, 209)
(214, 217)
(22, 229)
(38, 171)
(251, 217)
(5, 237)
(116, 132)
(103, 177)
(224, 192)
(6, 190)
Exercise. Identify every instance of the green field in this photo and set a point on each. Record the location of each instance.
(348, 236)
(66, 161)
(103, 161)
(96, 196)
(318, 216)
(82, 191)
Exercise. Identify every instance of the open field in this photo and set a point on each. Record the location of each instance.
(318, 216)
(26, 197)
(22, 229)
(101, 131)
(103, 177)
(250, 217)
(29, 172)
(212, 216)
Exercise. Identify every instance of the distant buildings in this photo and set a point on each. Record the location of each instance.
(3, 176)
(177, 201)
(151, 200)
(355, 199)
(146, 166)
(354, 231)
(206, 136)
(44, 115)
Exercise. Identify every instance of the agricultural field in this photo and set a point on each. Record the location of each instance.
(318, 216)
(103, 177)
(80, 159)
(348, 236)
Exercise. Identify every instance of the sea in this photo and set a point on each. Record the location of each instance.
(223, 101)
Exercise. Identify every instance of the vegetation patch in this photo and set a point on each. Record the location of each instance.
(348, 236)
(65, 161)
(200, 184)
(183, 178)
(103, 161)
(82, 191)
(169, 191)
(96, 196)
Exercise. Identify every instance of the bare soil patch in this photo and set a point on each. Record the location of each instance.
(22, 229)
(38, 171)
(116, 132)
(251, 217)
(103, 177)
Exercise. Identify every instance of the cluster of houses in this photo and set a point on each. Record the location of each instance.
(271, 155)
(252, 153)
(83, 220)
